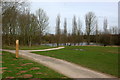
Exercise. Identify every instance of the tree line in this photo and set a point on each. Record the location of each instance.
(31, 29)
(19, 23)
(91, 33)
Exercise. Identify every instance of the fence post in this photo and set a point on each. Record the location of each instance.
(17, 48)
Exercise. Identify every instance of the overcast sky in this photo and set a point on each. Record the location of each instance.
(67, 10)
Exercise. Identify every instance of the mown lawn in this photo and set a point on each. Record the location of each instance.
(103, 59)
(27, 47)
(22, 68)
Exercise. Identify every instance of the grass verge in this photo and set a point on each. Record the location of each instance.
(22, 68)
(103, 59)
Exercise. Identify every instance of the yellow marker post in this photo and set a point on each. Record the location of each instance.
(17, 48)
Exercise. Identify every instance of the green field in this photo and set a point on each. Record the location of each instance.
(103, 59)
(27, 47)
(22, 68)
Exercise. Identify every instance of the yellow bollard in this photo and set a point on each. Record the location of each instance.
(17, 48)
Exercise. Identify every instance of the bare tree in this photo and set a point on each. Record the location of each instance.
(65, 31)
(79, 26)
(96, 32)
(74, 30)
(90, 19)
(105, 25)
(58, 30)
(106, 39)
(11, 12)
(42, 22)
(32, 28)
(79, 32)
(24, 27)
(10, 24)
(114, 30)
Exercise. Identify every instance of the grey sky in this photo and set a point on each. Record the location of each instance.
(79, 9)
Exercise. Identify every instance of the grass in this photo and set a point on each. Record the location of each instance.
(103, 59)
(18, 68)
(27, 48)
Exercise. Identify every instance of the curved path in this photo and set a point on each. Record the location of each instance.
(66, 68)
